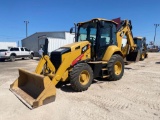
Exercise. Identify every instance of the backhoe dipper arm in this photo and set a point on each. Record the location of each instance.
(125, 30)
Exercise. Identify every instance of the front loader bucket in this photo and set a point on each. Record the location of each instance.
(133, 56)
(33, 89)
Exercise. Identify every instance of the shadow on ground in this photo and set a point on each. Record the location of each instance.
(19, 59)
(66, 86)
(127, 68)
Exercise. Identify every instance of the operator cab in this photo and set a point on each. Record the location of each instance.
(100, 33)
(138, 42)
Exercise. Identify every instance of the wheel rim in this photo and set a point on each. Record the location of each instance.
(84, 77)
(118, 68)
(12, 58)
(142, 56)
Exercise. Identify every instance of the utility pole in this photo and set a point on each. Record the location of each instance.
(26, 27)
(156, 25)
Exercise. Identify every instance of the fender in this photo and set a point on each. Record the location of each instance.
(13, 54)
(110, 51)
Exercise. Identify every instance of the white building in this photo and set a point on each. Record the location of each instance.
(6, 45)
(56, 40)
(124, 42)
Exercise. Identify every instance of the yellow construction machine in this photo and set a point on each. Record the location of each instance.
(96, 53)
(141, 47)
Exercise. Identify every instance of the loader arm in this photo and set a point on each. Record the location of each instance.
(45, 60)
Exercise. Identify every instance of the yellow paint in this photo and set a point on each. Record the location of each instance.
(41, 63)
(65, 76)
(110, 51)
(125, 31)
(84, 77)
(118, 68)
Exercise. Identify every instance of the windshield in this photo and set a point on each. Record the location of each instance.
(135, 40)
(3, 50)
(138, 42)
(107, 34)
(87, 31)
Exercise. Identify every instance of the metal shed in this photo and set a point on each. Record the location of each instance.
(56, 40)
(6, 45)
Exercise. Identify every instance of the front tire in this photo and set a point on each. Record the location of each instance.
(115, 67)
(81, 77)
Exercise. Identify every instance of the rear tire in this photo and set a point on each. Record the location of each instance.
(81, 77)
(115, 67)
(146, 55)
(31, 56)
(12, 58)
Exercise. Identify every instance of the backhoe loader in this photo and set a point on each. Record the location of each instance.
(141, 46)
(96, 53)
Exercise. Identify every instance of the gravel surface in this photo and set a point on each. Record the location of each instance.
(135, 97)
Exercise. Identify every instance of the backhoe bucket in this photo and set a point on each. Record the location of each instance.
(133, 56)
(33, 89)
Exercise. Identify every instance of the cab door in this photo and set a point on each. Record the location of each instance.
(107, 37)
(26, 52)
(22, 52)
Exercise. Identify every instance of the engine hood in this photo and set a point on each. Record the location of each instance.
(76, 45)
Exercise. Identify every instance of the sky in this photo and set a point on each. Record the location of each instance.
(60, 15)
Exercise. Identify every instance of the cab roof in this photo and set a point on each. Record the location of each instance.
(100, 19)
(138, 38)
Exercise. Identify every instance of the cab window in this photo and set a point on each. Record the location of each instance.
(26, 49)
(108, 34)
(22, 49)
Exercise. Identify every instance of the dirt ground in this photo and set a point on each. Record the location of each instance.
(135, 97)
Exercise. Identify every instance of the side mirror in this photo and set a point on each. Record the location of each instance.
(71, 30)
